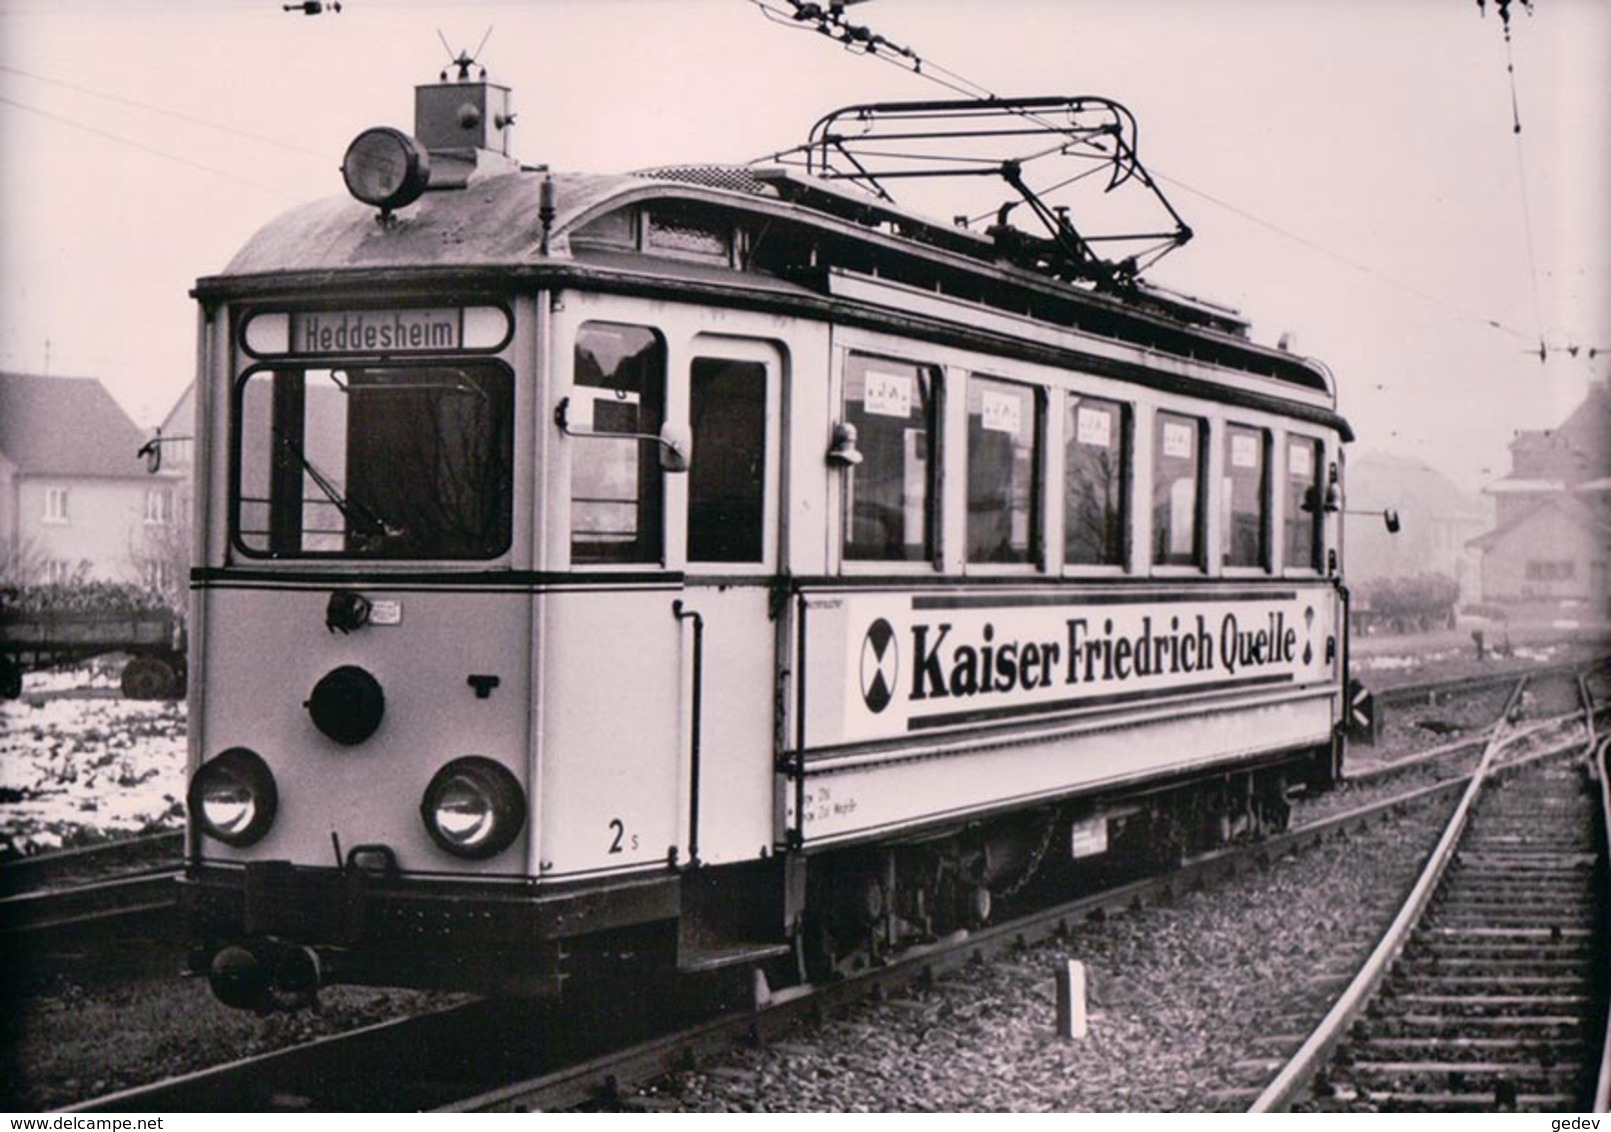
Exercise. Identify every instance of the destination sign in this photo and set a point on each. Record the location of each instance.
(881, 666)
(324, 332)
(393, 331)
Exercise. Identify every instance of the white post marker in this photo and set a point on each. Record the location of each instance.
(1072, 1020)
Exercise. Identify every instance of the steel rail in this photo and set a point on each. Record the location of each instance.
(1300, 1069)
(223, 1088)
(24, 873)
(1387, 769)
(584, 1080)
(770, 1013)
(116, 897)
(1602, 1087)
(610, 1073)
(1428, 690)
(1279, 1094)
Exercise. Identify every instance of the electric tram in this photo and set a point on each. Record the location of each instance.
(726, 568)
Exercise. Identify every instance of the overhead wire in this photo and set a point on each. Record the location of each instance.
(177, 115)
(152, 150)
(1348, 261)
(926, 69)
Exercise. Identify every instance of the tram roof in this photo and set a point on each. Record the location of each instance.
(493, 221)
(492, 230)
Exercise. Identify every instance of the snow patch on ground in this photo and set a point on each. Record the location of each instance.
(1387, 663)
(78, 763)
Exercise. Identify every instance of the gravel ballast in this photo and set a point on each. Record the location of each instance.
(1193, 1004)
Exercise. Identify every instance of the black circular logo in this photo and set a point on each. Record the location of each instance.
(880, 665)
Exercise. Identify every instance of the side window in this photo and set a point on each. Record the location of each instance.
(1305, 512)
(1003, 462)
(1177, 491)
(889, 496)
(616, 486)
(727, 476)
(1095, 470)
(1242, 496)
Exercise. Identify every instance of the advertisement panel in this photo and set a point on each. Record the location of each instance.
(884, 665)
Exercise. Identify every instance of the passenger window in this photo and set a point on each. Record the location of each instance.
(1305, 510)
(1003, 458)
(1243, 495)
(1095, 468)
(616, 487)
(1177, 491)
(889, 510)
(727, 476)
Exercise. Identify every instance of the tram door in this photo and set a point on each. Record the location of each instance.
(731, 546)
(656, 710)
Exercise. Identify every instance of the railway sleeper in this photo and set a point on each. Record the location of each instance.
(1491, 967)
(1549, 916)
(1516, 1101)
(1564, 1047)
(1482, 1078)
(1503, 1008)
(1457, 1026)
(1576, 889)
(1550, 913)
(1494, 935)
(1446, 955)
(1478, 982)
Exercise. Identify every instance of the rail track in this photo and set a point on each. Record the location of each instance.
(541, 1065)
(91, 863)
(1432, 691)
(429, 1070)
(88, 887)
(1485, 993)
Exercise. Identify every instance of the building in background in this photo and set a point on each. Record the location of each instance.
(168, 566)
(1551, 543)
(1437, 522)
(76, 501)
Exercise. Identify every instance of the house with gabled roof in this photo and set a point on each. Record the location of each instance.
(76, 502)
(1552, 542)
(1438, 521)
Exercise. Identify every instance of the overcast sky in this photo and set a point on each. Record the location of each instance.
(1349, 166)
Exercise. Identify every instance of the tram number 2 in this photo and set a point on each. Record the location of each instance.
(620, 842)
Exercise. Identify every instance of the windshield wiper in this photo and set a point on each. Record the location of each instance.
(357, 514)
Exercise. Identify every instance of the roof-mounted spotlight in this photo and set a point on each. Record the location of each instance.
(386, 168)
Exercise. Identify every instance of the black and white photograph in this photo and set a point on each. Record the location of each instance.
(804, 556)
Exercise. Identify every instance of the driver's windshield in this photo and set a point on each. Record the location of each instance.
(408, 461)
